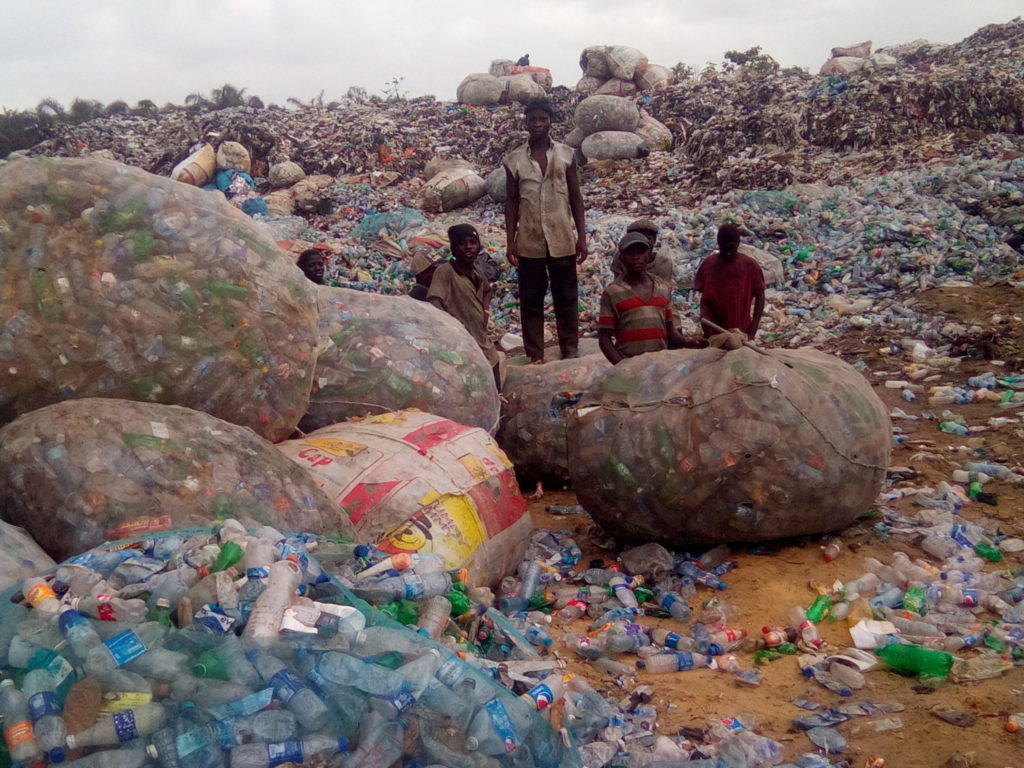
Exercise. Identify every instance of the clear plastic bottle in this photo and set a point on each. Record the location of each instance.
(44, 708)
(259, 556)
(674, 604)
(120, 727)
(571, 611)
(379, 747)
(434, 616)
(134, 757)
(21, 741)
(40, 595)
(662, 663)
(500, 726)
(832, 550)
(623, 592)
(621, 638)
(268, 611)
(270, 755)
(672, 640)
(807, 629)
(715, 556)
(386, 684)
(290, 690)
(405, 586)
(548, 691)
(111, 608)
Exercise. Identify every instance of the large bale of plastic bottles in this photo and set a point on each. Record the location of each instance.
(179, 661)
(386, 353)
(76, 473)
(690, 447)
(533, 420)
(119, 283)
(413, 482)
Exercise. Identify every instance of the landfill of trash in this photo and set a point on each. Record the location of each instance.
(246, 644)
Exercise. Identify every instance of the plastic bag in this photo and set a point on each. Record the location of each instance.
(20, 556)
(614, 145)
(394, 222)
(384, 353)
(702, 447)
(479, 89)
(74, 472)
(656, 135)
(625, 62)
(533, 421)
(415, 482)
(139, 287)
(453, 189)
(606, 113)
(616, 87)
(197, 169)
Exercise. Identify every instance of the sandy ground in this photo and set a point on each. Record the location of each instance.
(765, 586)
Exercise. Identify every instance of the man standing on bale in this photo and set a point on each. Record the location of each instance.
(546, 233)
(461, 289)
(636, 308)
(730, 283)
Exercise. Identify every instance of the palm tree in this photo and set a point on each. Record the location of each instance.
(117, 108)
(145, 108)
(50, 111)
(83, 110)
(255, 102)
(198, 101)
(227, 96)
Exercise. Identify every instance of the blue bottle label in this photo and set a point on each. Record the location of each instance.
(502, 723)
(413, 586)
(959, 534)
(42, 704)
(282, 752)
(125, 646)
(286, 684)
(189, 742)
(124, 725)
(451, 671)
(401, 701)
(213, 618)
(61, 670)
(971, 597)
(684, 661)
(247, 705)
(257, 573)
(672, 640)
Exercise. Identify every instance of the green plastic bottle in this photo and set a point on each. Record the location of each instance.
(818, 610)
(230, 553)
(915, 660)
(913, 600)
(763, 657)
(209, 665)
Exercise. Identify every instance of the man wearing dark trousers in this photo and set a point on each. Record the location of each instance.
(546, 233)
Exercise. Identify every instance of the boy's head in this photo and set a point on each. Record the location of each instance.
(728, 240)
(311, 262)
(539, 114)
(634, 252)
(645, 227)
(465, 242)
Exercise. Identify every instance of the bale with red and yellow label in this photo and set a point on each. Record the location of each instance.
(415, 482)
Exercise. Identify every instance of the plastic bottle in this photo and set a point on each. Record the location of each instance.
(386, 684)
(620, 638)
(259, 556)
(715, 556)
(44, 708)
(289, 689)
(40, 595)
(407, 586)
(674, 604)
(21, 740)
(421, 563)
(807, 629)
(230, 553)
(113, 758)
(953, 428)
(270, 755)
(111, 608)
(726, 639)
(818, 610)
(120, 727)
(832, 550)
(548, 691)
(380, 747)
(500, 726)
(434, 616)
(700, 576)
(268, 611)
(913, 659)
(622, 591)
(571, 611)
(672, 640)
(662, 663)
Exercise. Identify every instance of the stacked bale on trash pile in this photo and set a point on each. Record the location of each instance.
(614, 128)
(702, 447)
(503, 83)
(619, 70)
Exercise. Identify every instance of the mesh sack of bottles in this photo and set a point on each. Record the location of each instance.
(20, 556)
(533, 420)
(384, 353)
(119, 283)
(700, 447)
(414, 482)
(157, 651)
(75, 473)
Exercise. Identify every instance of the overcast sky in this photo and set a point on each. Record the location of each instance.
(166, 49)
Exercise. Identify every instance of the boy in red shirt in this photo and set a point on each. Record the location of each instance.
(730, 282)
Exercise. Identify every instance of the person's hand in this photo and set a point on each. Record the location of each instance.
(512, 255)
(581, 250)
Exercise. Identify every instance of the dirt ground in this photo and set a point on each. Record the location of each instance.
(765, 586)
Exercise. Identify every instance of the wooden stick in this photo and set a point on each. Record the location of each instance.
(720, 329)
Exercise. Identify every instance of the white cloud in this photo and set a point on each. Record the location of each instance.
(164, 50)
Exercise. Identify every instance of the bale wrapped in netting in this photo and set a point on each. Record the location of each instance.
(606, 113)
(20, 556)
(453, 189)
(386, 353)
(76, 473)
(288, 677)
(624, 62)
(520, 87)
(653, 78)
(533, 420)
(616, 87)
(614, 145)
(479, 89)
(415, 482)
(655, 133)
(495, 181)
(124, 284)
(694, 447)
